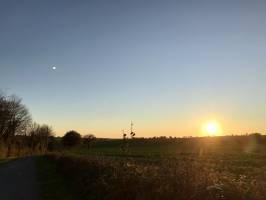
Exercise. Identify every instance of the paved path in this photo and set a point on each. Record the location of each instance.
(18, 180)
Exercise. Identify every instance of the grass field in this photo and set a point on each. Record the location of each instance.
(186, 177)
(171, 147)
(189, 168)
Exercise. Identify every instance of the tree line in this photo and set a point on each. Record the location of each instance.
(19, 135)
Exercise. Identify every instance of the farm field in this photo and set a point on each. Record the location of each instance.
(140, 147)
(189, 168)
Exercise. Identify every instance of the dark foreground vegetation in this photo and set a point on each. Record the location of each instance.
(183, 177)
(52, 185)
(206, 168)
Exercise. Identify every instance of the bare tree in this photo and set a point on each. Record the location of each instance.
(44, 134)
(39, 137)
(14, 117)
(88, 139)
(17, 132)
(14, 120)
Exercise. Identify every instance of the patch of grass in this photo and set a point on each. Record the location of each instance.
(5, 161)
(52, 185)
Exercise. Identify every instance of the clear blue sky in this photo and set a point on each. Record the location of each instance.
(167, 65)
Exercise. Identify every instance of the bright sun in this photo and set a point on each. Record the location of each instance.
(211, 128)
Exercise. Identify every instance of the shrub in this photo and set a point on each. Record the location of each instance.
(71, 138)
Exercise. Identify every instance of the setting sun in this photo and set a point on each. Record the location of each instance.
(211, 128)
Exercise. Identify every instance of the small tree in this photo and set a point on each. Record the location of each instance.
(39, 136)
(71, 138)
(51, 143)
(14, 120)
(14, 117)
(88, 139)
(43, 135)
(124, 146)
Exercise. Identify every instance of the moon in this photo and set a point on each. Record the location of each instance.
(54, 67)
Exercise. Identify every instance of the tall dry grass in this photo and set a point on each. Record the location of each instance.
(182, 179)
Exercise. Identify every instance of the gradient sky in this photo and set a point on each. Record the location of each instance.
(166, 65)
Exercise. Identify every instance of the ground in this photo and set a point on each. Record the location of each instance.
(18, 180)
(33, 178)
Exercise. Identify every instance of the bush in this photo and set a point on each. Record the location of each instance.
(71, 138)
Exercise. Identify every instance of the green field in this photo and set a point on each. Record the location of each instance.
(171, 147)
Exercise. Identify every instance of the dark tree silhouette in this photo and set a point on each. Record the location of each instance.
(18, 135)
(88, 139)
(14, 120)
(71, 138)
(39, 137)
(14, 117)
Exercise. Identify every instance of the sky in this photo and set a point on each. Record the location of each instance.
(168, 66)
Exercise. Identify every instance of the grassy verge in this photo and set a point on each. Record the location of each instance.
(5, 161)
(52, 186)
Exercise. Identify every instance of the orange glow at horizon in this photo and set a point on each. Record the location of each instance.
(214, 125)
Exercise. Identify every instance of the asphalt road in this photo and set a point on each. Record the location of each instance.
(18, 180)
